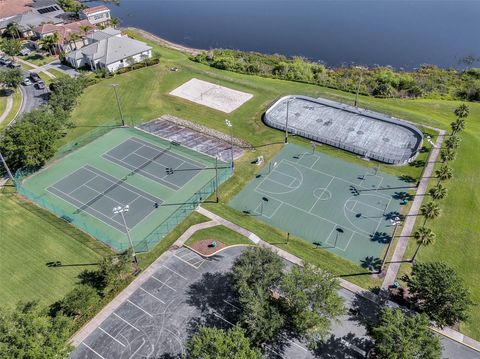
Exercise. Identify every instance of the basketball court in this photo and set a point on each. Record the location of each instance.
(333, 204)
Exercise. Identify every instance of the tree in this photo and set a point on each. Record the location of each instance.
(28, 332)
(452, 142)
(462, 111)
(311, 301)
(444, 173)
(437, 291)
(72, 39)
(257, 267)
(13, 30)
(11, 47)
(85, 29)
(430, 210)
(448, 154)
(50, 42)
(424, 237)
(457, 126)
(398, 336)
(260, 317)
(80, 301)
(213, 343)
(116, 271)
(11, 78)
(31, 141)
(114, 22)
(70, 5)
(65, 93)
(438, 192)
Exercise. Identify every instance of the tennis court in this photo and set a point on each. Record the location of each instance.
(160, 182)
(334, 204)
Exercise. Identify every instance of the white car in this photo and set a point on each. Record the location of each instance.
(27, 82)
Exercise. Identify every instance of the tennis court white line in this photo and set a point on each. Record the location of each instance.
(119, 317)
(143, 310)
(150, 294)
(314, 163)
(324, 189)
(165, 284)
(281, 184)
(118, 341)
(171, 270)
(93, 350)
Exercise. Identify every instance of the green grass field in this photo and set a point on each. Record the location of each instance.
(58, 74)
(17, 102)
(29, 239)
(218, 233)
(144, 96)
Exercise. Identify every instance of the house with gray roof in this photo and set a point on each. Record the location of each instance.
(109, 50)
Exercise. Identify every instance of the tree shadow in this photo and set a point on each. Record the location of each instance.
(394, 214)
(371, 263)
(417, 163)
(403, 196)
(406, 178)
(94, 279)
(348, 346)
(380, 237)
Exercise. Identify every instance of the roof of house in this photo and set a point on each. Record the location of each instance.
(10, 8)
(30, 19)
(103, 34)
(64, 30)
(111, 50)
(95, 9)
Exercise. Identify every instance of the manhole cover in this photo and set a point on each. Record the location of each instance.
(351, 129)
(359, 132)
(386, 139)
(319, 120)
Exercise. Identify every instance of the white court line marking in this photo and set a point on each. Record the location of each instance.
(300, 179)
(119, 317)
(136, 351)
(165, 284)
(150, 294)
(318, 199)
(171, 270)
(314, 163)
(143, 310)
(93, 350)
(118, 341)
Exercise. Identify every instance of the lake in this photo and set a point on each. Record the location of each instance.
(400, 33)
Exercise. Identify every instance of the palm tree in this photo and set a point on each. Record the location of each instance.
(13, 30)
(452, 142)
(424, 237)
(72, 39)
(457, 126)
(448, 154)
(444, 173)
(114, 21)
(430, 210)
(51, 42)
(462, 111)
(85, 29)
(438, 192)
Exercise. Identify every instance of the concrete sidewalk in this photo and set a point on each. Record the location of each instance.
(8, 108)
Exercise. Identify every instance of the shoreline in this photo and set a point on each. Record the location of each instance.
(161, 41)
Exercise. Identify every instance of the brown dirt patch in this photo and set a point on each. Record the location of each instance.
(204, 247)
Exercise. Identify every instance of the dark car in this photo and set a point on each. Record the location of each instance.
(40, 85)
(14, 65)
(34, 77)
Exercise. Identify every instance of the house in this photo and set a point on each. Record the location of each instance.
(71, 36)
(97, 15)
(109, 50)
(41, 12)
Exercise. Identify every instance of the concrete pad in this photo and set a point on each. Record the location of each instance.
(211, 95)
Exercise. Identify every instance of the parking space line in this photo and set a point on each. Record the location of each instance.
(118, 341)
(171, 270)
(143, 310)
(138, 349)
(200, 262)
(227, 302)
(222, 318)
(184, 261)
(150, 294)
(93, 350)
(165, 284)
(119, 317)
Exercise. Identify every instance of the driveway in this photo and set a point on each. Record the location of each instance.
(57, 65)
(185, 291)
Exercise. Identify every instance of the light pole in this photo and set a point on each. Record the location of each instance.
(229, 124)
(360, 78)
(286, 120)
(118, 103)
(396, 221)
(6, 168)
(122, 210)
(216, 178)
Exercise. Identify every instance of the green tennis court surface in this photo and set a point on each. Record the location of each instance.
(160, 182)
(336, 205)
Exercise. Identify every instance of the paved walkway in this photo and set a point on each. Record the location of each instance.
(36, 68)
(8, 108)
(409, 223)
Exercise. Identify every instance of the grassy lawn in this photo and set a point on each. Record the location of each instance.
(29, 239)
(37, 59)
(3, 101)
(219, 233)
(17, 102)
(57, 73)
(144, 96)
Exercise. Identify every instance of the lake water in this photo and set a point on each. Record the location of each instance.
(400, 33)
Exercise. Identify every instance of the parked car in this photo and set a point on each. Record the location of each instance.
(8, 63)
(14, 65)
(40, 85)
(34, 77)
(3, 60)
(27, 82)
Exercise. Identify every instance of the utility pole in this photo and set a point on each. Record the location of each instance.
(396, 221)
(122, 210)
(118, 103)
(6, 168)
(216, 177)
(229, 124)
